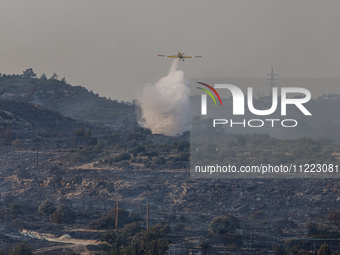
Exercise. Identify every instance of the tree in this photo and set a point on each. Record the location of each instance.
(107, 220)
(54, 76)
(147, 243)
(121, 157)
(258, 215)
(182, 145)
(205, 245)
(334, 217)
(63, 215)
(31, 92)
(88, 133)
(80, 134)
(312, 229)
(7, 136)
(324, 250)
(15, 208)
(46, 207)
(10, 213)
(28, 73)
(223, 224)
(23, 248)
(131, 229)
(113, 242)
(133, 239)
(231, 239)
(295, 249)
(303, 252)
(279, 250)
(43, 77)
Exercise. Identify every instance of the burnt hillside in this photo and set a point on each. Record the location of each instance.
(73, 101)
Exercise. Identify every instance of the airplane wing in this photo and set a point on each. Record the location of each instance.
(176, 56)
(192, 57)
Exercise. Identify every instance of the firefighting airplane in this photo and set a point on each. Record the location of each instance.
(180, 55)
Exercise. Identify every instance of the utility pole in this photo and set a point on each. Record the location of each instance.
(271, 80)
(37, 139)
(147, 216)
(116, 218)
(207, 134)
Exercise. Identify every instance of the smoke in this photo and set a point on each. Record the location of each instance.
(165, 104)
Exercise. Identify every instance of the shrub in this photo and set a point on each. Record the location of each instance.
(107, 220)
(222, 224)
(22, 249)
(46, 207)
(63, 215)
(324, 250)
(179, 227)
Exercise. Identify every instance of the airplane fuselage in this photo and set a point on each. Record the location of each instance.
(179, 55)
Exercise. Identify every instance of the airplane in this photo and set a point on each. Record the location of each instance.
(180, 55)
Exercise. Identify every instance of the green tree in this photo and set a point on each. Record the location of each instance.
(312, 229)
(88, 133)
(324, 250)
(10, 213)
(23, 248)
(121, 157)
(43, 77)
(46, 207)
(107, 220)
(303, 252)
(54, 77)
(28, 73)
(113, 242)
(15, 208)
(80, 135)
(133, 239)
(182, 145)
(7, 136)
(295, 249)
(147, 243)
(279, 250)
(223, 224)
(233, 239)
(63, 215)
(131, 229)
(205, 245)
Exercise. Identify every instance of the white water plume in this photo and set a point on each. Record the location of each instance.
(165, 104)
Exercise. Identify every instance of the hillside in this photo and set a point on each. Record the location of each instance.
(59, 189)
(21, 116)
(71, 101)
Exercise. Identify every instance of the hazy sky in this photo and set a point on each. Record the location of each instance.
(111, 47)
